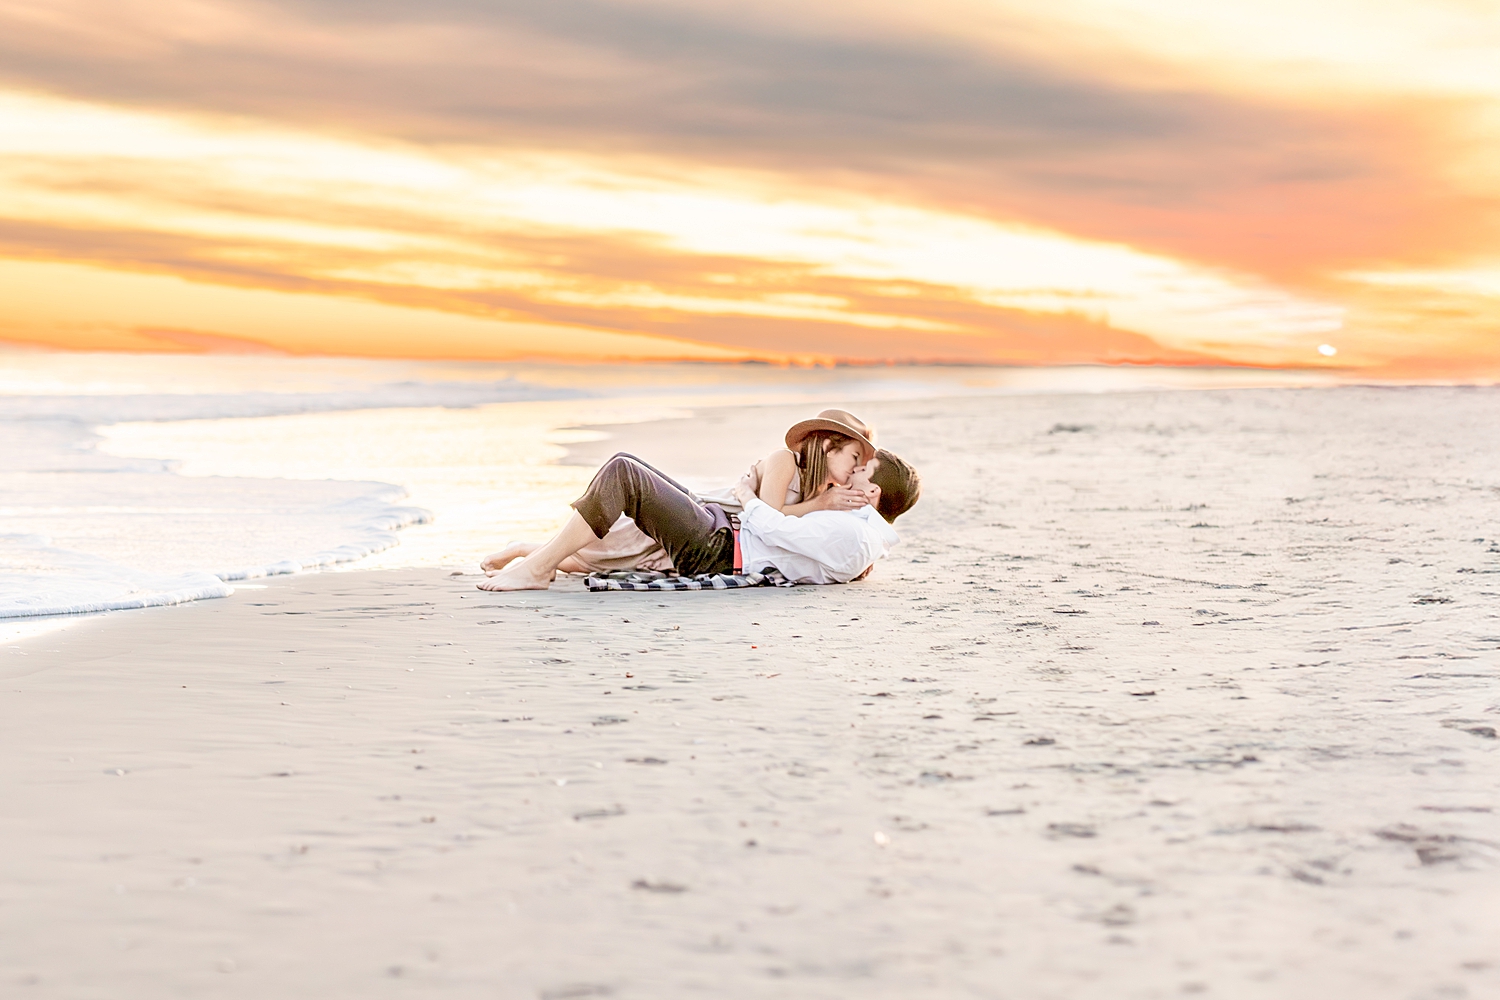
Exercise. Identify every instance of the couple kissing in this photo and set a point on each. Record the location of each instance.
(819, 511)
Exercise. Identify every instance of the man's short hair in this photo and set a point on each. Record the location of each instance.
(900, 486)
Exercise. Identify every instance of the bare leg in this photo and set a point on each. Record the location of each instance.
(514, 550)
(519, 550)
(535, 572)
(694, 535)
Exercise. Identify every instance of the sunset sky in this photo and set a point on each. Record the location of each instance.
(996, 181)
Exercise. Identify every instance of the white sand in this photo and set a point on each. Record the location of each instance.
(977, 774)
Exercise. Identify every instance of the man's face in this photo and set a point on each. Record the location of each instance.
(859, 479)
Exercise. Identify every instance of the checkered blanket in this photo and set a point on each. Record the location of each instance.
(624, 580)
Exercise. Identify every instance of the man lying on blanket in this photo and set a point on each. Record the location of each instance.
(818, 547)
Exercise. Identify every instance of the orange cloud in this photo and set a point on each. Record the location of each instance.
(89, 308)
(981, 181)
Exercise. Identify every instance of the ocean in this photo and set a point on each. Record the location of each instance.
(131, 481)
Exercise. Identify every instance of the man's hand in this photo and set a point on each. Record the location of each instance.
(841, 498)
(744, 490)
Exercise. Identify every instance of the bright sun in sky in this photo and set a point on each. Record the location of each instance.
(1098, 181)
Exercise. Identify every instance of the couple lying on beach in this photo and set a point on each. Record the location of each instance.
(818, 512)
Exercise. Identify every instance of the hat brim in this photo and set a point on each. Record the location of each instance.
(799, 432)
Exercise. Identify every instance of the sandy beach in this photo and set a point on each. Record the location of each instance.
(1164, 694)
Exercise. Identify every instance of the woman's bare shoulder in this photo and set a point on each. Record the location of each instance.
(778, 461)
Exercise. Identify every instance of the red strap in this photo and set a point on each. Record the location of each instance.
(739, 559)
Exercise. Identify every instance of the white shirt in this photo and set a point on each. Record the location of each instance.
(824, 546)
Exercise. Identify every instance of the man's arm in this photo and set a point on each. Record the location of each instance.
(844, 544)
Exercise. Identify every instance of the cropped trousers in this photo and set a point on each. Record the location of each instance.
(696, 535)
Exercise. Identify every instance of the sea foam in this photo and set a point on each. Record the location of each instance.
(38, 578)
(85, 531)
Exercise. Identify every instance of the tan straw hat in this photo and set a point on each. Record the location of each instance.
(840, 422)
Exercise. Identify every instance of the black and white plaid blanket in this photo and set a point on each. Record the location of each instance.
(625, 580)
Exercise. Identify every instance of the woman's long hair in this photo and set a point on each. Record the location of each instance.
(812, 460)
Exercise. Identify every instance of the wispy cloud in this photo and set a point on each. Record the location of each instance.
(548, 238)
(875, 181)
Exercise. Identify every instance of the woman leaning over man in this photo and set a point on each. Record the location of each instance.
(811, 473)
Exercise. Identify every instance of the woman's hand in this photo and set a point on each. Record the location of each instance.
(840, 498)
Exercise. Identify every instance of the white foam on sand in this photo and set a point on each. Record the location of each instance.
(488, 474)
(174, 539)
(84, 531)
(42, 579)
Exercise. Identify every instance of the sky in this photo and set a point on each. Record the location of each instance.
(1247, 182)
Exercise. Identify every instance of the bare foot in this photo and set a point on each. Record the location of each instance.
(519, 577)
(499, 560)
